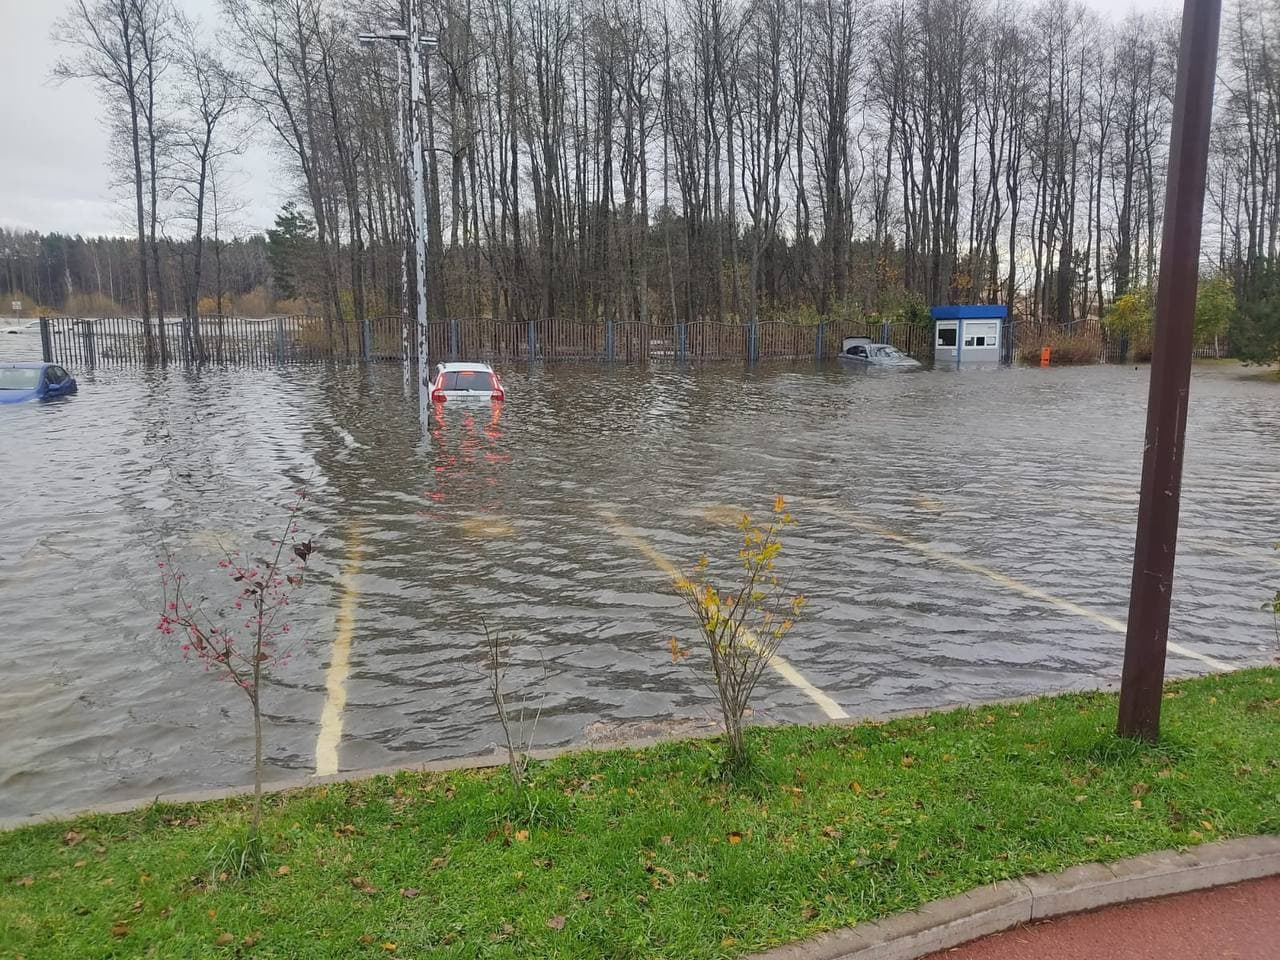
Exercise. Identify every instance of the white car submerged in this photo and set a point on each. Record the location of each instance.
(861, 351)
(466, 381)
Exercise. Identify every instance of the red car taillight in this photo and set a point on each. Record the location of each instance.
(496, 385)
(437, 396)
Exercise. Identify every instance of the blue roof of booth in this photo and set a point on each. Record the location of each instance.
(976, 311)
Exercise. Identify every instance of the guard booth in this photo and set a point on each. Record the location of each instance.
(973, 334)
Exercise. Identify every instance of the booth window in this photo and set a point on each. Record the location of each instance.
(947, 338)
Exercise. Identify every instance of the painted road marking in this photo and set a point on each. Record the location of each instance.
(779, 663)
(1130, 517)
(335, 682)
(488, 525)
(351, 442)
(1017, 586)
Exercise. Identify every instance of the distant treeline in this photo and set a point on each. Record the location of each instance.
(689, 158)
(98, 276)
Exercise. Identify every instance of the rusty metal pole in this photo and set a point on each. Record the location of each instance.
(1141, 687)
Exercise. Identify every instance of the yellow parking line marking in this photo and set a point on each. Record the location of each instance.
(779, 663)
(1017, 586)
(335, 682)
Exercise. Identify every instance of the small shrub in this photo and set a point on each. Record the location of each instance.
(518, 727)
(241, 641)
(740, 627)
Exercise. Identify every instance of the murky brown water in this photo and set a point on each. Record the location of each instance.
(1028, 474)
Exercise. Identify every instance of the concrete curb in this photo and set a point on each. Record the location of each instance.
(943, 924)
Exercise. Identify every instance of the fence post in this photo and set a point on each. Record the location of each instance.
(682, 339)
(821, 338)
(608, 339)
(46, 340)
(90, 344)
(366, 339)
(454, 340)
(279, 339)
(533, 341)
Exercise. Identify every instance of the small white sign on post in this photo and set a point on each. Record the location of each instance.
(16, 307)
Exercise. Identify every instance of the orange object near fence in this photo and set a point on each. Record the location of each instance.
(1045, 354)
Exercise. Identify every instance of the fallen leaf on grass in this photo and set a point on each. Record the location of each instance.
(735, 838)
(831, 833)
(856, 787)
(120, 930)
(409, 892)
(366, 938)
(728, 941)
(80, 863)
(1137, 804)
(522, 836)
(389, 947)
(809, 913)
(25, 881)
(224, 939)
(282, 870)
(585, 895)
(71, 838)
(250, 941)
(363, 885)
(1139, 789)
(908, 761)
(1207, 825)
(555, 923)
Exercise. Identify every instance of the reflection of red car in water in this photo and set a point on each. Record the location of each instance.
(466, 381)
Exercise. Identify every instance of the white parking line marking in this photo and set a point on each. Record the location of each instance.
(1017, 586)
(340, 661)
(779, 663)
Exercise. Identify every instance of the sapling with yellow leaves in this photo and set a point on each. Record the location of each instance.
(741, 621)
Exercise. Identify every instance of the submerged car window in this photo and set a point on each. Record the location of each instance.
(465, 380)
(19, 379)
(54, 376)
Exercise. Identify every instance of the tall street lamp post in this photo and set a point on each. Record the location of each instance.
(415, 42)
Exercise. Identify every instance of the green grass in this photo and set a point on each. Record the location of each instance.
(645, 853)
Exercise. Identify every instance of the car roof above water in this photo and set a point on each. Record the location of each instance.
(24, 364)
(473, 367)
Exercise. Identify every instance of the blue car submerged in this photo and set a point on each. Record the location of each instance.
(34, 381)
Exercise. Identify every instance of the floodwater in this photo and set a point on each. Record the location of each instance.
(960, 536)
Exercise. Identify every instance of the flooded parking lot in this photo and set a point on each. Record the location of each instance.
(960, 536)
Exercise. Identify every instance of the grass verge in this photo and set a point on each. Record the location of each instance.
(644, 853)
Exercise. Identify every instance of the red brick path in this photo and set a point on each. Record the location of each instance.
(1240, 922)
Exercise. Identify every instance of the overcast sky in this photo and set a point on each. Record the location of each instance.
(53, 175)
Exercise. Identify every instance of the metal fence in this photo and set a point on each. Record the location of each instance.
(118, 341)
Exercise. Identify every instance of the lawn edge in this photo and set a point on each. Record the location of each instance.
(496, 759)
(952, 921)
